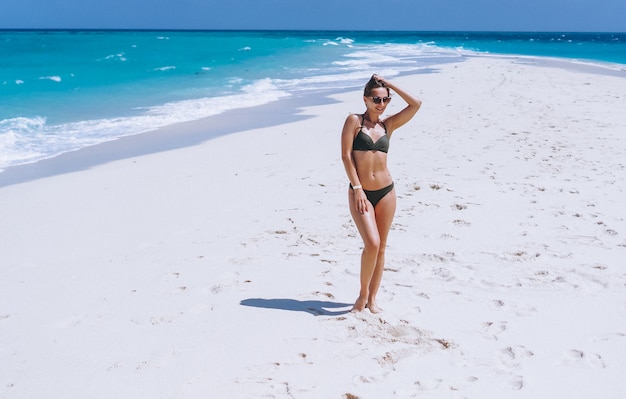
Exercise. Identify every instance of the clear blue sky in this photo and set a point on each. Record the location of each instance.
(490, 15)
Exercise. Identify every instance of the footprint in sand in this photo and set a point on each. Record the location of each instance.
(520, 310)
(516, 383)
(405, 334)
(460, 222)
(428, 384)
(516, 352)
(575, 356)
(491, 330)
(511, 357)
(390, 358)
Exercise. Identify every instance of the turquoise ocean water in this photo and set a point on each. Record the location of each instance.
(64, 90)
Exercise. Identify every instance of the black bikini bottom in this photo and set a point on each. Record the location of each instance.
(374, 196)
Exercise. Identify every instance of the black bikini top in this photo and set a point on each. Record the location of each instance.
(363, 142)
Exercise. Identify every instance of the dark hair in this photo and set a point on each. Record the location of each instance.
(373, 84)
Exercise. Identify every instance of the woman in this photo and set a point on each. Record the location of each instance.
(371, 195)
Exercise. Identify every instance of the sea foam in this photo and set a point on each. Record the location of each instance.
(53, 78)
(26, 140)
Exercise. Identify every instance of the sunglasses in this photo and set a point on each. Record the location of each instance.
(377, 100)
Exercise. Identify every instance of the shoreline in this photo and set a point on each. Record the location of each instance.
(229, 267)
(570, 64)
(166, 138)
(279, 112)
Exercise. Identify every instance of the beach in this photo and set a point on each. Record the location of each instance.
(226, 268)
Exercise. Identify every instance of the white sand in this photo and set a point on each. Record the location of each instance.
(225, 269)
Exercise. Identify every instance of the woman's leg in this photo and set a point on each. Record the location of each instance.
(385, 210)
(366, 225)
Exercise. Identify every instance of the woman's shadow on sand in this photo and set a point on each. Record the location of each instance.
(316, 308)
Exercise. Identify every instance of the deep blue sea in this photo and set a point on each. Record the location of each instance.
(64, 90)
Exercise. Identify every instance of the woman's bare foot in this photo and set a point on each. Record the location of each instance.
(359, 305)
(373, 307)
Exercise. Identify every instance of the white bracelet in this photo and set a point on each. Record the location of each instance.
(356, 187)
